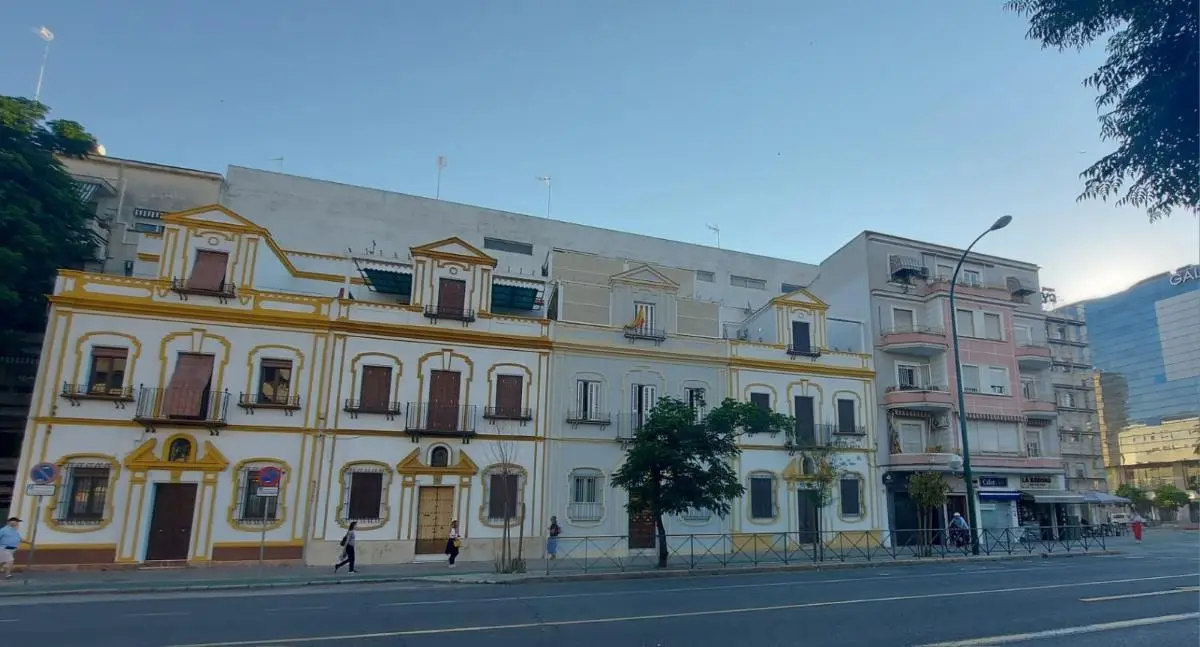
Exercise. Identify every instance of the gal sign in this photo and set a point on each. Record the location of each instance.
(1187, 274)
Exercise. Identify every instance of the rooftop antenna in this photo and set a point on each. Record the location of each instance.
(45, 34)
(278, 160)
(716, 230)
(441, 164)
(546, 179)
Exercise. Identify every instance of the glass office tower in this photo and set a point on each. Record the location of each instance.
(1145, 346)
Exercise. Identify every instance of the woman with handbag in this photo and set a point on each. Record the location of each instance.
(453, 543)
(347, 549)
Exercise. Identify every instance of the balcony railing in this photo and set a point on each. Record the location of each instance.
(826, 435)
(440, 419)
(803, 350)
(631, 422)
(182, 407)
(457, 313)
(597, 418)
(119, 396)
(585, 511)
(224, 291)
(374, 407)
(522, 414)
(918, 386)
(286, 403)
(914, 329)
(645, 332)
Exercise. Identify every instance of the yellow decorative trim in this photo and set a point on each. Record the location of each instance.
(385, 508)
(749, 388)
(147, 257)
(252, 359)
(809, 300)
(860, 415)
(198, 336)
(280, 502)
(396, 365)
(413, 466)
(522, 481)
(526, 399)
(145, 459)
(774, 498)
(862, 497)
(430, 250)
(135, 351)
(795, 472)
(448, 356)
(114, 473)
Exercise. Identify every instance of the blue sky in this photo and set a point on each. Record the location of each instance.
(790, 125)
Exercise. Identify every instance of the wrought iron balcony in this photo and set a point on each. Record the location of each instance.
(657, 335)
(119, 396)
(456, 313)
(803, 350)
(251, 401)
(576, 418)
(826, 436)
(224, 291)
(181, 407)
(440, 420)
(381, 408)
(522, 414)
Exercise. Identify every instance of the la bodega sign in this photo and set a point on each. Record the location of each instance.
(1191, 273)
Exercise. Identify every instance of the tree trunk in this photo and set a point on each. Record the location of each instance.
(662, 540)
(920, 532)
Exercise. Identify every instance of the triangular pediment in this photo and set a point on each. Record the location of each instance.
(413, 466)
(645, 275)
(215, 216)
(453, 248)
(147, 457)
(802, 297)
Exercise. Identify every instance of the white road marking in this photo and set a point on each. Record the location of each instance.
(1068, 631)
(666, 616)
(10, 620)
(684, 589)
(1181, 589)
(282, 609)
(155, 614)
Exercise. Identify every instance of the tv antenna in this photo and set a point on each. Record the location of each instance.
(546, 179)
(716, 230)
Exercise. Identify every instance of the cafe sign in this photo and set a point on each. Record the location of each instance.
(1037, 481)
(993, 481)
(1185, 275)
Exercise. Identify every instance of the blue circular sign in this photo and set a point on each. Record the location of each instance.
(269, 476)
(44, 474)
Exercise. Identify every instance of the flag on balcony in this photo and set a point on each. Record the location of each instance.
(639, 319)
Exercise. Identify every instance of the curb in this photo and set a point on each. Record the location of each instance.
(538, 579)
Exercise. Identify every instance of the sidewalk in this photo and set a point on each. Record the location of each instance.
(247, 577)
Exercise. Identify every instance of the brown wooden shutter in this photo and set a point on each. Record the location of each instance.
(208, 273)
(108, 368)
(442, 408)
(452, 296)
(508, 395)
(366, 490)
(376, 388)
(845, 416)
(502, 496)
(188, 389)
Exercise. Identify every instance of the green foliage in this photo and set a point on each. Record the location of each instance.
(928, 490)
(1135, 494)
(44, 223)
(1169, 497)
(676, 462)
(1147, 100)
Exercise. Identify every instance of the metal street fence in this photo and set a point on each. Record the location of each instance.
(613, 553)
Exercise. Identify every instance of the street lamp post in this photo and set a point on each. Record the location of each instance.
(958, 388)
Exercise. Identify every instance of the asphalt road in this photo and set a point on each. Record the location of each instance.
(1094, 601)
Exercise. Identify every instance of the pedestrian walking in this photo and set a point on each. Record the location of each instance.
(1138, 524)
(10, 541)
(453, 542)
(347, 549)
(552, 541)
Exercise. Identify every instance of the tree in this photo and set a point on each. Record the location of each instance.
(504, 458)
(44, 222)
(1147, 100)
(678, 461)
(1169, 498)
(1138, 497)
(928, 490)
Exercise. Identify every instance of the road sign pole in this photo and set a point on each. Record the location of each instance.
(33, 527)
(262, 540)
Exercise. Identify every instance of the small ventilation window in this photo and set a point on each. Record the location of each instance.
(747, 282)
(788, 288)
(510, 246)
(706, 276)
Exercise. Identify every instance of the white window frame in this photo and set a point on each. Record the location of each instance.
(385, 482)
(945, 271)
(978, 378)
(928, 373)
(591, 391)
(1022, 334)
(896, 326)
(970, 277)
(579, 510)
(923, 436)
(696, 515)
(690, 394)
(999, 326)
(970, 318)
(647, 308)
(1006, 387)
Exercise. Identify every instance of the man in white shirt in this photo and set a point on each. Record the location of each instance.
(10, 541)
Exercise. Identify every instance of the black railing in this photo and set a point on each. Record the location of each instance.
(438, 419)
(645, 332)
(819, 436)
(252, 401)
(576, 418)
(223, 291)
(803, 350)
(523, 414)
(719, 551)
(178, 406)
(389, 409)
(457, 313)
(918, 387)
(117, 395)
(630, 424)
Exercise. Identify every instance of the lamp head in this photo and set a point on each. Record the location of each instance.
(1001, 223)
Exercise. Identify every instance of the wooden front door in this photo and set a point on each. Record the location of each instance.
(641, 530)
(435, 511)
(806, 514)
(443, 400)
(452, 296)
(171, 522)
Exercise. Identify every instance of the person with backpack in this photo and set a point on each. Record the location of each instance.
(347, 549)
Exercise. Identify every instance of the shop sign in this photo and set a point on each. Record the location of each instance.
(993, 481)
(1186, 274)
(1037, 481)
